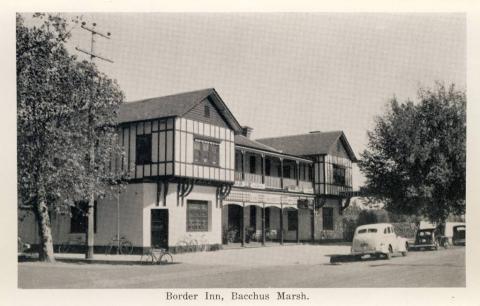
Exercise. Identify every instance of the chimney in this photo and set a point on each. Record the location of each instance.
(247, 131)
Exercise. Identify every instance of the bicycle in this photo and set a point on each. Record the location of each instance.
(123, 245)
(71, 244)
(188, 244)
(156, 256)
(203, 243)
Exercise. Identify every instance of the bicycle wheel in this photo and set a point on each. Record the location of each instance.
(193, 245)
(63, 248)
(147, 259)
(166, 258)
(181, 247)
(126, 248)
(108, 249)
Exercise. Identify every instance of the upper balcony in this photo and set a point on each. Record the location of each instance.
(267, 170)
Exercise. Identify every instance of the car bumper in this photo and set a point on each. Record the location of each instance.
(368, 252)
(418, 246)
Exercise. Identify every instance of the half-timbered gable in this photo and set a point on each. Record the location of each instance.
(188, 135)
(206, 111)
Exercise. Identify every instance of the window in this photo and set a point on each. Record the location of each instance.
(79, 219)
(253, 165)
(372, 230)
(197, 216)
(292, 220)
(205, 152)
(268, 166)
(143, 149)
(362, 231)
(286, 171)
(206, 111)
(338, 175)
(327, 213)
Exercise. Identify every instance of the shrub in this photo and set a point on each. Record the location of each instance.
(372, 216)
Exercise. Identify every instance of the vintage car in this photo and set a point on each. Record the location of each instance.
(378, 240)
(426, 238)
(459, 235)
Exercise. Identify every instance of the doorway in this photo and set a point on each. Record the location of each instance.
(159, 228)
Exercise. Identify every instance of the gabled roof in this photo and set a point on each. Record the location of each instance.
(174, 105)
(245, 142)
(318, 143)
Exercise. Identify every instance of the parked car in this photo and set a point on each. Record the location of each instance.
(459, 235)
(448, 229)
(426, 238)
(378, 240)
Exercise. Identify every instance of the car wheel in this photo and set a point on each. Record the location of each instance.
(404, 253)
(389, 254)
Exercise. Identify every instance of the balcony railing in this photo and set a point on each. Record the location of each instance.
(287, 182)
(253, 178)
(273, 182)
(305, 184)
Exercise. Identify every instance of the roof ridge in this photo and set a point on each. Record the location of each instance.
(303, 134)
(171, 95)
(253, 140)
(210, 90)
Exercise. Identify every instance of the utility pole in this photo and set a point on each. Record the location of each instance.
(91, 123)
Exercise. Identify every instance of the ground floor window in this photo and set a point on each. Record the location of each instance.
(292, 220)
(79, 217)
(327, 213)
(197, 216)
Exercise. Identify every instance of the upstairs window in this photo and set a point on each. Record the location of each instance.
(206, 111)
(253, 166)
(206, 152)
(268, 167)
(338, 175)
(144, 149)
(286, 171)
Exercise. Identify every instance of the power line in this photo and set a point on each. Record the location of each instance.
(94, 32)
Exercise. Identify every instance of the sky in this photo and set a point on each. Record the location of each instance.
(284, 73)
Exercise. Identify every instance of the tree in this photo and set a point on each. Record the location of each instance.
(415, 158)
(56, 96)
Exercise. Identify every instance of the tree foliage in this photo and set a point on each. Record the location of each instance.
(56, 97)
(415, 159)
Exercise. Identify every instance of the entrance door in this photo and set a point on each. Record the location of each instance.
(159, 228)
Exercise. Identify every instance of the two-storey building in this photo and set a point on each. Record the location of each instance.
(197, 176)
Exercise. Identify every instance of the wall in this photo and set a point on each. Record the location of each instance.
(323, 174)
(185, 132)
(337, 233)
(177, 212)
(161, 132)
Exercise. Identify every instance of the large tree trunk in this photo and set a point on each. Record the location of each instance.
(45, 252)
